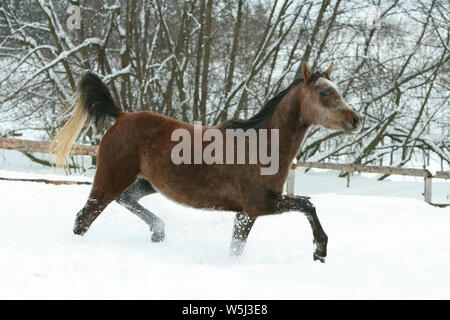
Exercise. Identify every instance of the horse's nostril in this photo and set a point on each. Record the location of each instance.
(355, 120)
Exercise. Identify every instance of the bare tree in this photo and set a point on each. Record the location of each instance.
(210, 60)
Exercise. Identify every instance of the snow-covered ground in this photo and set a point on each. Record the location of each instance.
(384, 242)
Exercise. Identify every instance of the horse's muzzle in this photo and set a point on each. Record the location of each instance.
(353, 125)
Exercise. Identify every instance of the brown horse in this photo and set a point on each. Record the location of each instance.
(134, 157)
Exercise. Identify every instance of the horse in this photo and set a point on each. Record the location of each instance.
(134, 157)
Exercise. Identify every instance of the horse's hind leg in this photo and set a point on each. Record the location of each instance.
(95, 204)
(129, 199)
(242, 226)
(109, 183)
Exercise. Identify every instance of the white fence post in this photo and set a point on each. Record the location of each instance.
(290, 182)
(427, 190)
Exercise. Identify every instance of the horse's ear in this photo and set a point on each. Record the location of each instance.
(306, 72)
(329, 70)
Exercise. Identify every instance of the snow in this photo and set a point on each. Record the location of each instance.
(384, 242)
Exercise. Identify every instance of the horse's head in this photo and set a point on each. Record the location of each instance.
(322, 103)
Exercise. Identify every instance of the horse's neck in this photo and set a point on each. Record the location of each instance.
(292, 128)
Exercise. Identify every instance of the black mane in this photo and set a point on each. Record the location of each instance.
(260, 119)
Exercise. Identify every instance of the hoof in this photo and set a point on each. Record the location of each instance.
(316, 257)
(237, 248)
(236, 253)
(321, 249)
(158, 231)
(158, 236)
(79, 230)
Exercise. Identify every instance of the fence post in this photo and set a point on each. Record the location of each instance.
(427, 190)
(290, 182)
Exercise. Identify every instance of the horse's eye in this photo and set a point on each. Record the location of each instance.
(323, 93)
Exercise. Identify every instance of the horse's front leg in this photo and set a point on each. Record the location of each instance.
(292, 203)
(242, 226)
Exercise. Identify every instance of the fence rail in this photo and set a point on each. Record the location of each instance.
(42, 147)
(427, 175)
(375, 169)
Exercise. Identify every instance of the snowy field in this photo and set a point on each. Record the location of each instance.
(384, 242)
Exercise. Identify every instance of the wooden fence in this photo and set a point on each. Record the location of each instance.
(290, 184)
(42, 147)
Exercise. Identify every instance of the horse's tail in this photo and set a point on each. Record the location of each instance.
(93, 100)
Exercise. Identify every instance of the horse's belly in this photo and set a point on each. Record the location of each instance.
(197, 193)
